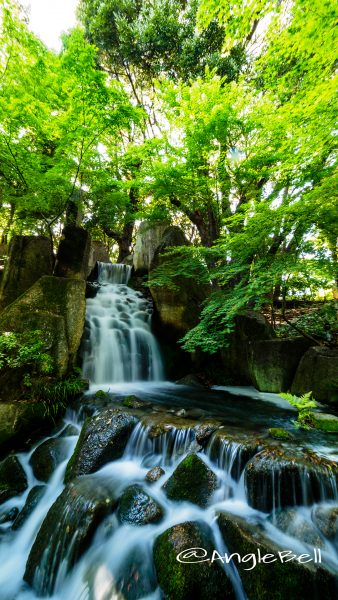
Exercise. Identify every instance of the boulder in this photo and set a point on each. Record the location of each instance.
(154, 474)
(199, 580)
(273, 363)
(18, 420)
(192, 481)
(178, 308)
(9, 515)
(275, 479)
(324, 422)
(318, 372)
(232, 453)
(102, 439)
(277, 433)
(326, 519)
(273, 579)
(191, 380)
(135, 402)
(47, 456)
(148, 238)
(73, 254)
(13, 480)
(31, 503)
(136, 507)
(56, 307)
(98, 253)
(67, 531)
(249, 326)
(292, 523)
(29, 258)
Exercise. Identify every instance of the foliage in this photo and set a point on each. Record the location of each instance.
(24, 350)
(303, 404)
(56, 394)
(321, 322)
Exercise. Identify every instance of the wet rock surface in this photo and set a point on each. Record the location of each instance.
(291, 522)
(232, 452)
(154, 474)
(13, 480)
(273, 580)
(274, 479)
(67, 530)
(192, 481)
(31, 503)
(326, 519)
(102, 439)
(180, 581)
(47, 457)
(138, 508)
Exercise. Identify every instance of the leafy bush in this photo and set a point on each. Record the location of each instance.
(55, 394)
(25, 350)
(303, 404)
(321, 323)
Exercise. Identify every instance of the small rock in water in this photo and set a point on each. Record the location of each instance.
(277, 433)
(138, 508)
(47, 457)
(154, 474)
(9, 515)
(181, 413)
(191, 481)
(326, 519)
(204, 431)
(135, 402)
(32, 501)
(13, 480)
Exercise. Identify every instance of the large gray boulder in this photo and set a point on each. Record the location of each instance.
(148, 238)
(273, 363)
(273, 579)
(73, 253)
(102, 439)
(29, 258)
(318, 372)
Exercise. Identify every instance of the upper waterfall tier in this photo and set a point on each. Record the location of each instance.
(119, 344)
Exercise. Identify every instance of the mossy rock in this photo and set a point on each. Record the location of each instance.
(135, 402)
(136, 507)
(67, 531)
(326, 520)
(180, 581)
(47, 456)
(13, 480)
(18, 420)
(102, 439)
(273, 580)
(154, 474)
(31, 503)
(324, 422)
(192, 481)
(277, 433)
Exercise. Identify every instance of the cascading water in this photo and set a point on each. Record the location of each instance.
(120, 346)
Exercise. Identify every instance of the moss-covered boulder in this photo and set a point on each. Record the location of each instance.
(273, 579)
(67, 531)
(278, 433)
(47, 456)
(31, 503)
(56, 307)
(73, 255)
(324, 422)
(154, 474)
(192, 481)
(135, 402)
(102, 439)
(291, 522)
(30, 257)
(136, 507)
(275, 479)
(273, 363)
(318, 372)
(326, 520)
(179, 580)
(13, 480)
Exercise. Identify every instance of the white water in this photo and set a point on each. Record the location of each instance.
(120, 346)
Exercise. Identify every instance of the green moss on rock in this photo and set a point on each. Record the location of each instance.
(192, 481)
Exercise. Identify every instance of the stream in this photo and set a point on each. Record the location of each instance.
(122, 359)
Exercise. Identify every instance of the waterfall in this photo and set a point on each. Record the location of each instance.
(119, 345)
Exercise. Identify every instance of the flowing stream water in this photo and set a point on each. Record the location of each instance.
(121, 350)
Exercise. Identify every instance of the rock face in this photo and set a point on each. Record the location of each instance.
(292, 523)
(73, 254)
(138, 508)
(98, 253)
(13, 480)
(179, 580)
(17, 419)
(148, 238)
(47, 457)
(32, 501)
(274, 480)
(273, 363)
(102, 439)
(192, 481)
(67, 531)
(272, 580)
(178, 309)
(232, 453)
(249, 327)
(318, 372)
(29, 258)
(326, 519)
(55, 306)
